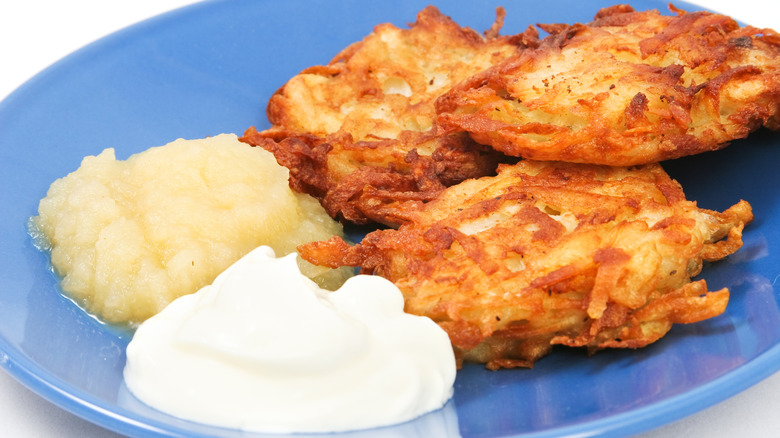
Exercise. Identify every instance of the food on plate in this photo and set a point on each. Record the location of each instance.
(368, 116)
(386, 84)
(433, 130)
(550, 253)
(362, 183)
(265, 349)
(128, 237)
(628, 88)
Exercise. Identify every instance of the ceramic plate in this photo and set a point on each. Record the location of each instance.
(210, 68)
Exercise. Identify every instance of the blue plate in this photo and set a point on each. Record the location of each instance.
(210, 68)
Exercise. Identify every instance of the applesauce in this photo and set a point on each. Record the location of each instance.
(127, 237)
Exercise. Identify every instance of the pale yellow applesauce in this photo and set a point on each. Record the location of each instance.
(128, 237)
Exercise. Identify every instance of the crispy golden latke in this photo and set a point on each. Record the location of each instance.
(551, 253)
(357, 133)
(387, 83)
(628, 88)
(361, 182)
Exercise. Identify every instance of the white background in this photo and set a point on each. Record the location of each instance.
(36, 33)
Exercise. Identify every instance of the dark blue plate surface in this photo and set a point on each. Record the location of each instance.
(210, 68)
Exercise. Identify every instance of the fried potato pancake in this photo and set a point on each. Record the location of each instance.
(361, 182)
(387, 83)
(358, 131)
(551, 253)
(628, 88)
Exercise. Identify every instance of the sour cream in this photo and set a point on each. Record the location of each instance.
(264, 349)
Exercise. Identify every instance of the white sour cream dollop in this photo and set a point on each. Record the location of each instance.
(265, 349)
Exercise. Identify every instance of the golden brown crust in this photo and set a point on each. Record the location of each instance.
(386, 83)
(628, 88)
(360, 182)
(357, 133)
(551, 253)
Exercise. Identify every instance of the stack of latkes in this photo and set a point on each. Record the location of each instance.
(517, 177)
